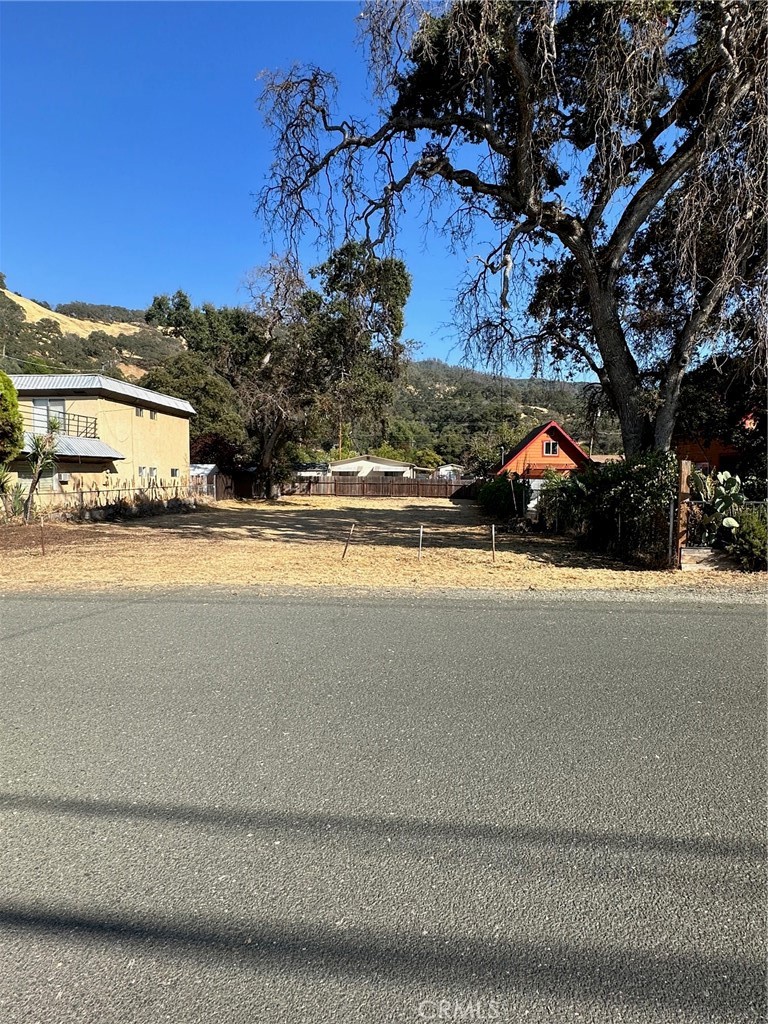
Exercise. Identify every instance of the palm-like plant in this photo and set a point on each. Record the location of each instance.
(41, 458)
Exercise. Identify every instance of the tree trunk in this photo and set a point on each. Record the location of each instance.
(667, 414)
(620, 367)
(31, 494)
(269, 488)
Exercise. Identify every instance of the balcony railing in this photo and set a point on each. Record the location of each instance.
(71, 424)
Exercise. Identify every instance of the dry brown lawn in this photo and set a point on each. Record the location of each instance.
(299, 541)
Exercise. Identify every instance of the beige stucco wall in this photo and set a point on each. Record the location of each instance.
(161, 443)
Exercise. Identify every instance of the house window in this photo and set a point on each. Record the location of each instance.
(139, 411)
(174, 472)
(142, 470)
(153, 414)
(47, 412)
(153, 473)
(551, 448)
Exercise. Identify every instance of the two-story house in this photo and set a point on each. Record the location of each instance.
(109, 433)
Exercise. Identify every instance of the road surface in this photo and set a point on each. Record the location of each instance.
(239, 808)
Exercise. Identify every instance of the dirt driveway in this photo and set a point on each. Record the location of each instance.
(299, 541)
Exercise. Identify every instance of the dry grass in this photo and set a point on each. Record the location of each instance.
(33, 312)
(299, 541)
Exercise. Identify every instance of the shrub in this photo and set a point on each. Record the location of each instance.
(721, 498)
(504, 498)
(621, 508)
(11, 427)
(750, 541)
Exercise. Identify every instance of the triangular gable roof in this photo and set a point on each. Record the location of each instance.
(532, 435)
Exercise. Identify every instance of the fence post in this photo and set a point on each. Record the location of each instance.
(671, 550)
(349, 538)
(683, 509)
(421, 539)
(493, 542)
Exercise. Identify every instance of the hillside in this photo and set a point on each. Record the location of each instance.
(442, 407)
(436, 406)
(34, 313)
(36, 339)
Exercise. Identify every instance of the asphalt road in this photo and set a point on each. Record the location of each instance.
(338, 809)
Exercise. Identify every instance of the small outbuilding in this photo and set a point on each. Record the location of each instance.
(377, 467)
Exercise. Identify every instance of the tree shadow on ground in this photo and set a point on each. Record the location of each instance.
(454, 524)
(714, 985)
(684, 982)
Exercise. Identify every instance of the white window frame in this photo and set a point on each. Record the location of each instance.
(554, 448)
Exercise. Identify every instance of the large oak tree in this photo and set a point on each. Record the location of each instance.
(612, 156)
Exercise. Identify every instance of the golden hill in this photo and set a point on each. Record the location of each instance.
(33, 312)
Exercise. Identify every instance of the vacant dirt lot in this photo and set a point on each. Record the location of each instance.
(299, 541)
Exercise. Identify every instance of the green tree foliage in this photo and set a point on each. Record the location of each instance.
(189, 376)
(504, 498)
(11, 323)
(621, 508)
(615, 151)
(749, 543)
(723, 399)
(102, 313)
(301, 358)
(11, 426)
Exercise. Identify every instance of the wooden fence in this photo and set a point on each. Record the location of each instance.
(360, 487)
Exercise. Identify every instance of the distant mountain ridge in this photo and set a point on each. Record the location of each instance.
(36, 339)
(436, 405)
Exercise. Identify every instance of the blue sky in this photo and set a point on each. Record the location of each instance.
(131, 147)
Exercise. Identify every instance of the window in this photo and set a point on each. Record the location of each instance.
(153, 414)
(551, 448)
(153, 472)
(47, 481)
(48, 411)
(174, 472)
(139, 411)
(142, 470)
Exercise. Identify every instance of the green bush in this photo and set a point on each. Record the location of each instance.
(620, 508)
(504, 498)
(11, 427)
(750, 541)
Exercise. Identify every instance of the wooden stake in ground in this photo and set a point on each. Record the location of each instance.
(493, 543)
(421, 539)
(349, 538)
(42, 535)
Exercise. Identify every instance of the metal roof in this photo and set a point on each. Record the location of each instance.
(96, 383)
(78, 448)
(371, 458)
(202, 468)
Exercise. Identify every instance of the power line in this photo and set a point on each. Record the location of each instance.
(49, 366)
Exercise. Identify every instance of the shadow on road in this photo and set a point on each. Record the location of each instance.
(313, 825)
(711, 984)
